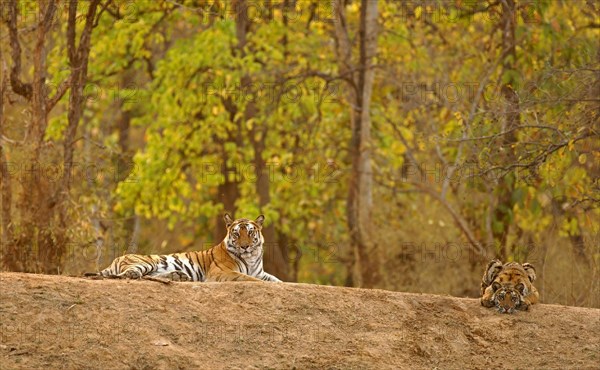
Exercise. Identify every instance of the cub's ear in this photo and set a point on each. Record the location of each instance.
(496, 286)
(259, 220)
(492, 270)
(521, 288)
(228, 220)
(530, 270)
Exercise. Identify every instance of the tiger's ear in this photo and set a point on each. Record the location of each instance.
(228, 220)
(492, 270)
(259, 220)
(521, 288)
(530, 270)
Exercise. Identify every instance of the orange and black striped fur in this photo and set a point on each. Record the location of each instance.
(237, 258)
(508, 286)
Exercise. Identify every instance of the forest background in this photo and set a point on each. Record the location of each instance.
(390, 144)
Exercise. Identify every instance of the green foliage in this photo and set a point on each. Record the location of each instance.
(426, 99)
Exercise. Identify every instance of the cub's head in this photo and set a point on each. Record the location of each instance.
(507, 299)
(510, 283)
(244, 238)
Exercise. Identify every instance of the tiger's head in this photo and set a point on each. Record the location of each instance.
(244, 237)
(507, 299)
(510, 284)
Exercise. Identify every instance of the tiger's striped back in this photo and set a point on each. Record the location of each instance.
(194, 264)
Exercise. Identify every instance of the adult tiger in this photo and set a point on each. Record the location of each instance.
(508, 286)
(237, 258)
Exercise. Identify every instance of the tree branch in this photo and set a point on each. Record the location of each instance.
(23, 89)
(60, 92)
(538, 160)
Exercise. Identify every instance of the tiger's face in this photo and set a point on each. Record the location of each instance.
(244, 237)
(507, 299)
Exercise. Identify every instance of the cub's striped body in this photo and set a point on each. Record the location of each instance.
(508, 286)
(237, 258)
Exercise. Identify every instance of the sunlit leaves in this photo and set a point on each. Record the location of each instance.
(437, 99)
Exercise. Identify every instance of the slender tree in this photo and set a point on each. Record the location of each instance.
(359, 77)
(274, 260)
(503, 218)
(41, 240)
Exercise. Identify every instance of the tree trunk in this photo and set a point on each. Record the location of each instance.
(40, 243)
(228, 191)
(360, 189)
(503, 213)
(33, 249)
(6, 238)
(124, 160)
(78, 61)
(274, 260)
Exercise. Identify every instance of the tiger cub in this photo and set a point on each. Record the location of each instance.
(237, 258)
(508, 286)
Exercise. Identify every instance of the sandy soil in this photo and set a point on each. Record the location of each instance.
(59, 322)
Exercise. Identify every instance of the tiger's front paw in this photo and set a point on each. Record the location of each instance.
(487, 303)
(524, 306)
(178, 276)
(132, 274)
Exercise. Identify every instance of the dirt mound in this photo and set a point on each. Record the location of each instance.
(74, 323)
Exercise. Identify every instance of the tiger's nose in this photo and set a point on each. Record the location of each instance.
(244, 247)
